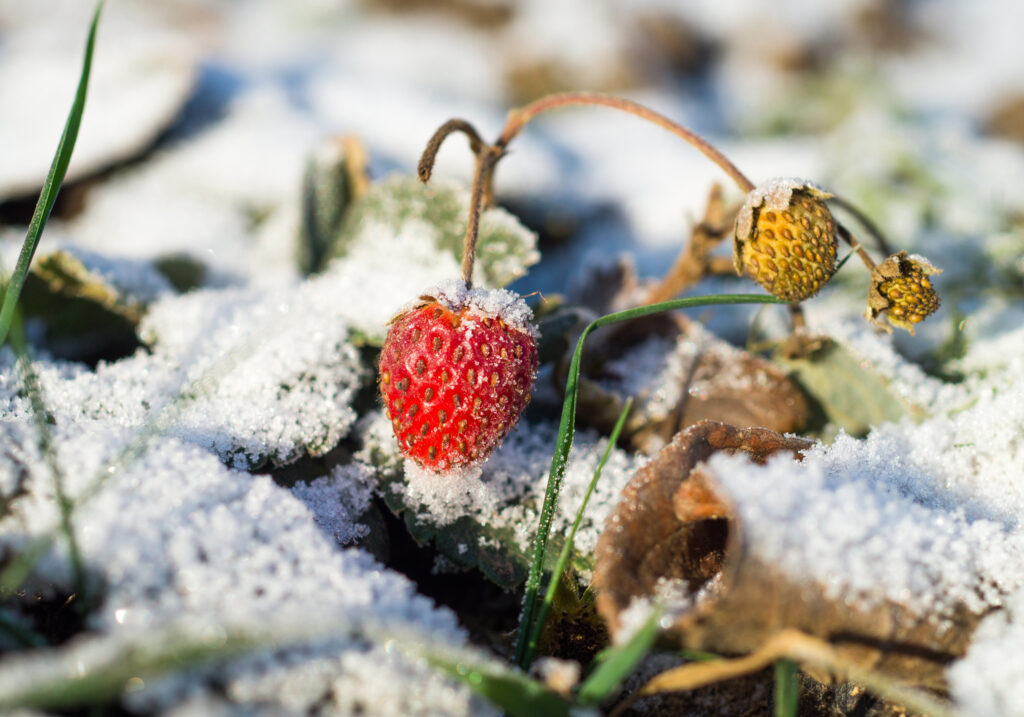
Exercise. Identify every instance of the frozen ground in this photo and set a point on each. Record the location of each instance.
(172, 447)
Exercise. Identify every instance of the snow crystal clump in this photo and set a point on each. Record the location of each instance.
(338, 500)
(486, 303)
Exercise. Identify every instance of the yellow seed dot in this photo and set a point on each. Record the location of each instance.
(485, 349)
(462, 425)
(385, 377)
(428, 394)
(425, 429)
(413, 410)
(432, 453)
(442, 416)
(421, 366)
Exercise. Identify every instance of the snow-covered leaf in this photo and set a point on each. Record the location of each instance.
(485, 518)
(404, 206)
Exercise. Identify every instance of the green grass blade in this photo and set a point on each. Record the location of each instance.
(563, 558)
(51, 187)
(787, 688)
(617, 663)
(34, 391)
(566, 429)
(513, 692)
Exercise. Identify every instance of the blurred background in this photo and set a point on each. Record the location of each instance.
(203, 113)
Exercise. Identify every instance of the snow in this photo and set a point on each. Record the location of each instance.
(507, 491)
(486, 304)
(259, 366)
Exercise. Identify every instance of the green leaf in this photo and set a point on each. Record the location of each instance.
(617, 663)
(51, 187)
(851, 395)
(504, 248)
(515, 693)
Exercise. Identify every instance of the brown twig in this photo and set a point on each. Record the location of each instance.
(801, 648)
(517, 119)
(695, 261)
(426, 165)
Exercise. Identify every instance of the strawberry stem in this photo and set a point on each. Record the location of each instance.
(517, 119)
(426, 165)
(485, 161)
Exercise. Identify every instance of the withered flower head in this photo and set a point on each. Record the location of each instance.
(901, 289)
(786, 238)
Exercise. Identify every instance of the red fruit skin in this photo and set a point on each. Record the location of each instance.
(454, 383)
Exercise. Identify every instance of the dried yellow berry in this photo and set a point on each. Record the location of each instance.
(901, 290)
(786, 239)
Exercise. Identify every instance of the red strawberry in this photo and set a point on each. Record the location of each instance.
(456, 372)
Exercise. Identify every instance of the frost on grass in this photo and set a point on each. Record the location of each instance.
(503, 496)
(184, 551)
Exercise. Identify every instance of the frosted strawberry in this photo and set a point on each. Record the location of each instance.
(456, 372)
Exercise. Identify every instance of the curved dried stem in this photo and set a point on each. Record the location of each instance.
(426, 164)
(801, 648)
(865, 221)
(517, 119)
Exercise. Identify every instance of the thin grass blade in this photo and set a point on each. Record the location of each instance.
(34, 391)
(787, 688)
(566, 430)
(51, 187)
(513, 692)
(563, 557)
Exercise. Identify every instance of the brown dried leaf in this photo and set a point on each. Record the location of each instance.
(674, 523)
(679, 375)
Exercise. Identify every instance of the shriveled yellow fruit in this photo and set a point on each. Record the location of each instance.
(901, 290)
(786, 239)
